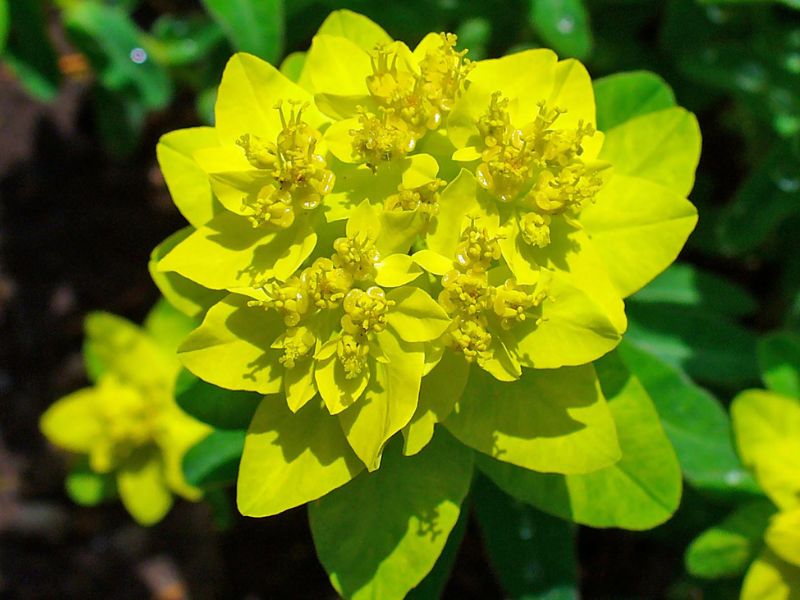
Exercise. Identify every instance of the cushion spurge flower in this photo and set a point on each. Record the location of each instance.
(128, 423)
(411, 239)
(767, 428)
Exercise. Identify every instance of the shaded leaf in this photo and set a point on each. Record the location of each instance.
(214, 460)
(563, 25)
(532, 553)
(624, 96)
(220, 408)
(779, 362)
(255, 26)
(695, 422)
(378, 536)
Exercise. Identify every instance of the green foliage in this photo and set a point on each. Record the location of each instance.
(254, 26)
(532, 553)
(88, 488)
(29, 52)
(214, 460)
(727, 549)
(220, 408)
(695, 422)
(381, 549)
(779, 362)
(640, 491)
(563, 25)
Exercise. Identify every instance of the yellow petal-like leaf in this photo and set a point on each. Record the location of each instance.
(638, 228)
(143, 487)
(770, 578)
(783, 535)
(388, 402)
(247, 96)
(767, 428)
(188, 184)
(73, 422)
(662, 146)
(551, 421)
(291, 458)
(416, 317)
(232, 347)
(396, 270)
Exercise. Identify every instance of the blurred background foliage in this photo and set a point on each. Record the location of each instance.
(708, 327)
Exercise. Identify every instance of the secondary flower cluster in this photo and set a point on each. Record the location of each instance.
(386, 209)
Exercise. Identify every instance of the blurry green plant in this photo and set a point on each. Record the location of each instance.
(762, 537)
(127, 428)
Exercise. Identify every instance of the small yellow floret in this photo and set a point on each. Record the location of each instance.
(300, 174)
(356, 255)
(477, 249)
(365, 311)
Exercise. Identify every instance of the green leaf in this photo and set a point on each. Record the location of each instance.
(220, 408)
(689, 286)
(779, 363)
(119, 119)
(640, 491)
(214, 460)
(762, 203)
(475, 35)
(432, 587)
(179, 41)
(695, 422)
(254, 26)
(707, 346)
(29, 51)
(292, 458)
(550, 420)
(728, 548)
(117, 50)
(378, 536)
(624, 96)
(563, 25)
(88, 488)
(532, 553)
(3, 24)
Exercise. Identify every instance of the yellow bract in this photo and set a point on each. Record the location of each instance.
(767, 428)
(129, 424)
(413, 208)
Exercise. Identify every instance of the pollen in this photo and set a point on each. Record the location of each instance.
(424, 199)
(353, 351)
(381, 138)
(299, 173)
(464, 293)
(365, 311)
(325, 284)
(513, 303)
(470, 337)
(357, 255)
(538, 164)
(535, 229)
(477, 249)
(441, 81)
(297, 343)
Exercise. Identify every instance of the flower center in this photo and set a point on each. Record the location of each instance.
(539, 165)
(300, 177)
